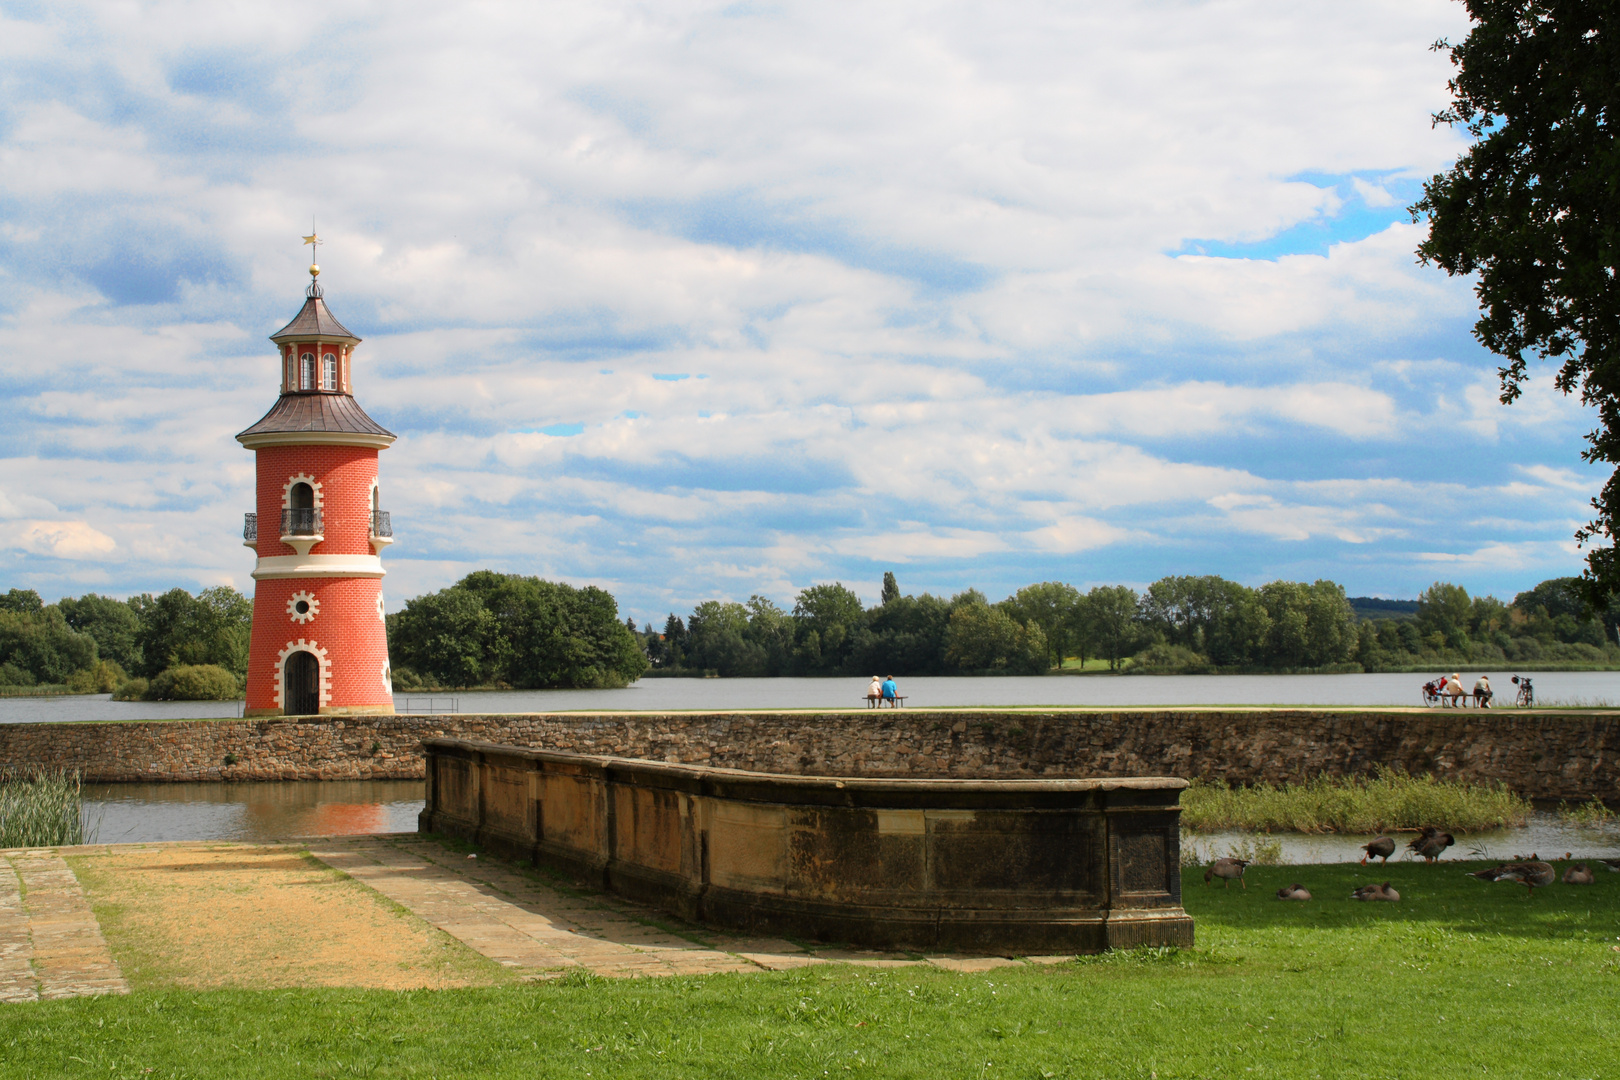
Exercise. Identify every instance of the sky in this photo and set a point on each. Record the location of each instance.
(695, 301)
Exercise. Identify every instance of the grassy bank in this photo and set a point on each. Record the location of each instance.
(40, 808)
(1352, 805)
(1328, 988)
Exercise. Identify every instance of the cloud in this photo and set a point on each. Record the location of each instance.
(1004, 295)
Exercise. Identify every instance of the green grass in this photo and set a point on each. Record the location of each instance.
(40, 808)
(1352, 805)
(1459, 978)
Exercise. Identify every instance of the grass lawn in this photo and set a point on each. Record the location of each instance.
(1460, 978)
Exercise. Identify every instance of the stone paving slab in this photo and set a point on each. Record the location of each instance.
(522, 922)
(50, 943)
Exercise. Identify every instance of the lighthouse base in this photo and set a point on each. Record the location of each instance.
(328, 710)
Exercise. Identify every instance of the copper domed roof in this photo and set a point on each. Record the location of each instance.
(314, 321)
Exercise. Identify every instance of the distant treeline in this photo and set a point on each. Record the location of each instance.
(1183, 624)
(171, 645)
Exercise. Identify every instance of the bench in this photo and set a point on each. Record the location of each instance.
(899, 702)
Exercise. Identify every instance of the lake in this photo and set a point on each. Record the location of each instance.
(673, 695)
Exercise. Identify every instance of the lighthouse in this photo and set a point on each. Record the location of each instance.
(319, 644)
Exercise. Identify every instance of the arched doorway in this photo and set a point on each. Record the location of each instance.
(301, 683)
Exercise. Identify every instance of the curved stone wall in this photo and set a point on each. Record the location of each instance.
(1009, 866)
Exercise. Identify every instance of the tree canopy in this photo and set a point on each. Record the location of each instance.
(1533, 209)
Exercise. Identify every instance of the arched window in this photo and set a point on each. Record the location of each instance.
(302, 496)
(307, 380)
(292, 371)
(329, 372)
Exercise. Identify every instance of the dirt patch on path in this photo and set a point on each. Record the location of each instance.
(214, 915)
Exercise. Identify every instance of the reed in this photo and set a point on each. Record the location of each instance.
(1352, 804)
(1588, 815)
(40, 808)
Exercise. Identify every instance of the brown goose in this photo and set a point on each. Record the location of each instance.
(1578, 875)
(1530, 874)
(1381, 848)
(1296, 891)
(1612, 864)
(1376, 892)
(1226, 870)
(1431, 843)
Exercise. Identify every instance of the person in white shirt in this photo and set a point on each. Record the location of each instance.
(874, 692)
(1482, 692)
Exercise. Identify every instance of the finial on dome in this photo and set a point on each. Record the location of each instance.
(314, 241)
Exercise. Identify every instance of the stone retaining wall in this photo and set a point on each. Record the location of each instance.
(1544, 755)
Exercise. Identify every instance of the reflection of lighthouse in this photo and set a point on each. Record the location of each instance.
(319, 644)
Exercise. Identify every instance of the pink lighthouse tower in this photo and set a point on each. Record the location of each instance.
(319, 645)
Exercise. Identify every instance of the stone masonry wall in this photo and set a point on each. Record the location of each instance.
(1541, 755)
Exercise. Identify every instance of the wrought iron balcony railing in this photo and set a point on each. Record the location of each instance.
(301, 522)
(381, 525)
(250, 528)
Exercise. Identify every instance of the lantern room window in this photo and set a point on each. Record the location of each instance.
(329, 372)
(306, 379)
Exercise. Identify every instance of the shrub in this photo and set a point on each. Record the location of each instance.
(12, 675)
(1170, 658)
(405, 679)
(104, 678)
(131, 690)
(194, 682)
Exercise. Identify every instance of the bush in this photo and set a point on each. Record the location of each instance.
(194, 682)
(131, 690)
(406, 680)
(1170, 658)
(12, 675)
(104, 678)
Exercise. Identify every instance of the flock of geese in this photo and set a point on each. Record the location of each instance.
(1429, 844)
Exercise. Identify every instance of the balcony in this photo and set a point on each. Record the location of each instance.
(250, 530)
(382, 531)
(302, 528)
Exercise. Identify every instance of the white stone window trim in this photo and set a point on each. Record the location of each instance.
(324, 683)
(308, 615)
(388, 680)
(373, 504)
(301, 478)
(381, 614)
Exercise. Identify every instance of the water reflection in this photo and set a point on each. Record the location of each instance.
(136, 813)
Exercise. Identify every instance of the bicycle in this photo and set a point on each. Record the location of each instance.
(1527, 696)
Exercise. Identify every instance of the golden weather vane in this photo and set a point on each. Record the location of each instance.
(314, 241)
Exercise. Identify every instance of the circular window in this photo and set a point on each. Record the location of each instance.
(302, 607)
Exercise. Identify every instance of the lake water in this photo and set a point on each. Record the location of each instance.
(272, 810)
(673, 695)
(144, 813)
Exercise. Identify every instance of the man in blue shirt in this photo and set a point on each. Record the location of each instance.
(889, 690)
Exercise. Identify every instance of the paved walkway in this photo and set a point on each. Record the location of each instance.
(50, 943)
(519, 920)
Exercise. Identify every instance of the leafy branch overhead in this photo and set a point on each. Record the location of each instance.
(1533, 209)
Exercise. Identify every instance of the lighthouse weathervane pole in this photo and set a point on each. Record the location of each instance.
(314, 241)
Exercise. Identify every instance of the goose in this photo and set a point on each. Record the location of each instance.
(1431, 843)
(1381, 848)
(1578, 875)
(1226, 870)
(1375, 892)
(1296, 891)
(1612, 864)
(1530, 874)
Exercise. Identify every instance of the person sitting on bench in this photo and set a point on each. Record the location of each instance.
(874, 692)
(889, 690)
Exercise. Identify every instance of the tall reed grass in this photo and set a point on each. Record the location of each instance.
(40, 808)
(1589, 815)
(1353, 804)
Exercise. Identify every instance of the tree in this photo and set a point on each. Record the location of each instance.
(826, 616)
(1049, 605)
(891, 588)
(112, 623)
(1445, 609)
(213, 627)
(1533, 209)
(983, 638)
(1109, 617)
